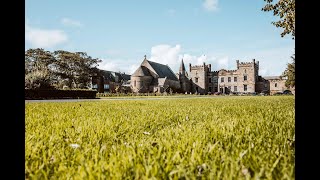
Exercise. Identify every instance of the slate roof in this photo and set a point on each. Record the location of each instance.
(272, 77)
(141, 71)
(111, 76)
(163, 70)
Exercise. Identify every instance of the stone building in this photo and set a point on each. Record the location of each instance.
(109, 81)
(154, 77)
(244, 79)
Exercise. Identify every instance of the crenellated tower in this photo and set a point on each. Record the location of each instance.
(200, 75)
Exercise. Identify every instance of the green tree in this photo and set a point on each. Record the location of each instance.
(76, 68)
(285, 9)
(38, 69)
(289, 73)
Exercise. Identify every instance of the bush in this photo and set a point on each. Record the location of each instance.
(59, 94)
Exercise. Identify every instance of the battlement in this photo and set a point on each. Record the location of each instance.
(235, 70)
(247, 64)
(197, 67)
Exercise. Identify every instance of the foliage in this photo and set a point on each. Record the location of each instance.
(199, 138)
(59, 68)
(75, 68)
(290, 73)
(59, 94)
(38, 74)
(285, 9)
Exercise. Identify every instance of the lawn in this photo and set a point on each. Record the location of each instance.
(238, 137)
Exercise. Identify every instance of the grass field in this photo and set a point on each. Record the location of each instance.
(205, 138)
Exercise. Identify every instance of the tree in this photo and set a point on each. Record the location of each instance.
(38, 69)
(75, 68)
(290, 73)
(285, 9)
(44, 69)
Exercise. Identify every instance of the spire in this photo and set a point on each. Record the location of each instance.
(182, 68)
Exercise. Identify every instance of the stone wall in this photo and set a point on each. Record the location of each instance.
(141, 84)
(199, 76)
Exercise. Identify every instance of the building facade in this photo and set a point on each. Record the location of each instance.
(154, 77)
(111, 82)
(244, 79)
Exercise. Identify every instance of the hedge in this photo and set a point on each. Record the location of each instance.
(59, 94)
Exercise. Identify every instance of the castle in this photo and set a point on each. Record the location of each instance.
(154, 77)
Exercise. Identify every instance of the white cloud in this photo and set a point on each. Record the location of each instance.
(210, 5)
(44, 38)
(133, 68)
(70, 22)
(223, 63)
(171, 55)
(271, 61)
(110, 65)
(119, 65)
(165, 54)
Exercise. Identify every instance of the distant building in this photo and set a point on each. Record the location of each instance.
(155, 77)
(109, 81)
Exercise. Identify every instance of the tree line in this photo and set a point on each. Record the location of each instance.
(285, 10)
(59, 69)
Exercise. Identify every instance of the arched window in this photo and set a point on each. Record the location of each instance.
(275, 85)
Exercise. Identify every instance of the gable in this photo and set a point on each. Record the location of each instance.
(160, 70)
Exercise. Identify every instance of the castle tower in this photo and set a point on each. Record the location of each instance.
(200, 76)
(248, 75)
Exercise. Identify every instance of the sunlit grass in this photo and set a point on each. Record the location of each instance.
(209, 138)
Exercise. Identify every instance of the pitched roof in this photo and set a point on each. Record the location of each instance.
(272, 77)
(163, 70)
(141, 71)
(111, 76)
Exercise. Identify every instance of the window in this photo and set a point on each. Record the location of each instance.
(245, 77)
(215, 89)
(265, 85)
(94, 86)
(106, 86)
(196, 80)
(235, 79)
(235, 89)
(229, 79)
(245, 71)
(222, 79)
(134, 83)
(229, 88)
(209, 80)
(275, 85)
(245, 87)
(210, 89)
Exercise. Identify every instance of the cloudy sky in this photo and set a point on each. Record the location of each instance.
(121, 32)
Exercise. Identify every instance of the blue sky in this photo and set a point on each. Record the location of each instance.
(121, 32)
